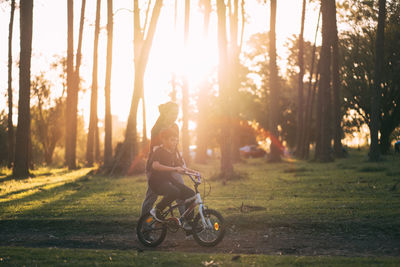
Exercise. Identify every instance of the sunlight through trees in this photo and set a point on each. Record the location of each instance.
(301, 97)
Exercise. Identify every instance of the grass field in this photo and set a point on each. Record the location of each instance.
(293, 213)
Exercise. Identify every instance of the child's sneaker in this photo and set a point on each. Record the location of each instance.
(156, 213)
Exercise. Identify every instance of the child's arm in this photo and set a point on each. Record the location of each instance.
(163, 168)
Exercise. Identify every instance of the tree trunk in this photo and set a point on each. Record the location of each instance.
(97, 141)
(234, 79)
(145, 140)
(10, 126)
(128, 154)
(201, 142)
(300, 98)
(323, 149)
(337, 116)
(275, 154)
(309, 122)
(91, 139)
(384, 141)
(224, 94)
(75, 92)
(70, 162)
(376, 87)
(185, 93)
(73, 82)
(305, 143)
(318, 117)
(107, 87)
(21, 162)
(202, 121)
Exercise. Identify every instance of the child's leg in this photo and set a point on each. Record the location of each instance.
(178, 177)
(185, 193)
(168, 190)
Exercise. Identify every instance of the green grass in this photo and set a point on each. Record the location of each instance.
(61, 217)
(91, 257)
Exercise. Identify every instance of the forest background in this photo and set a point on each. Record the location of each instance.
(247, 72)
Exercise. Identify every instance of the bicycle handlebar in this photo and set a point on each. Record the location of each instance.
(197, 175)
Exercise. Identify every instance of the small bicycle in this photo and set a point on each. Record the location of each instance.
(208, 227)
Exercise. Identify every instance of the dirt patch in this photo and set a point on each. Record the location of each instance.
(288, 241)
(272, 240)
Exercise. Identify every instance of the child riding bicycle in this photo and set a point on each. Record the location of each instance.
(164, 163)
(207, 228)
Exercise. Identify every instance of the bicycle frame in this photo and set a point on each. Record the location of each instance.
(196, 199)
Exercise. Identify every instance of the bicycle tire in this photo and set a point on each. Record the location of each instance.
(147, 234)
(217, 231)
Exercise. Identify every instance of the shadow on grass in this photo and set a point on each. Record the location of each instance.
(42, 193)
(104, 234)
(44, 226)
(40, 187)
(372, 169)
(8, 178)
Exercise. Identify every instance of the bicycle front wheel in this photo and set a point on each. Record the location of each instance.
(210, 232)
(150, 232)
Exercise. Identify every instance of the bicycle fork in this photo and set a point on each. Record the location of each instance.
(206, 222)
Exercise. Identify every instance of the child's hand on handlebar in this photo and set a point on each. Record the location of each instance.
(184, 170)
(180, 170)
(192, 172)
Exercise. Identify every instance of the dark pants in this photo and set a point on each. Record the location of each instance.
(151, 197)
(171, 190)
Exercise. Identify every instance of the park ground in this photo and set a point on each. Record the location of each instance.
(292, 213)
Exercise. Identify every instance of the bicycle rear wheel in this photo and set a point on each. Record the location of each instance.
(213, 232)
(150, 232)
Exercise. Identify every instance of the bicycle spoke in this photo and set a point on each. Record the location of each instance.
(209, 231)
(150, 232)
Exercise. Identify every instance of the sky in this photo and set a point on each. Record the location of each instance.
(167, 53)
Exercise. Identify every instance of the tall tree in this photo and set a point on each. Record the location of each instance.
(93, 128)
(77, 80)
(185, 92)
(10, 126)
(69, 158)
(224, 94)
(337, 115)
(275, 154)
(128, 154)
(376, 88)
(21, 162)
(358, 52)
(107, 87)
(305, 143)
(145, 140)
(73, 83)
(300, 98)
(324, 121)
(202, 118)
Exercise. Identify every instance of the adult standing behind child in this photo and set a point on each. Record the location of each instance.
(168, 115)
